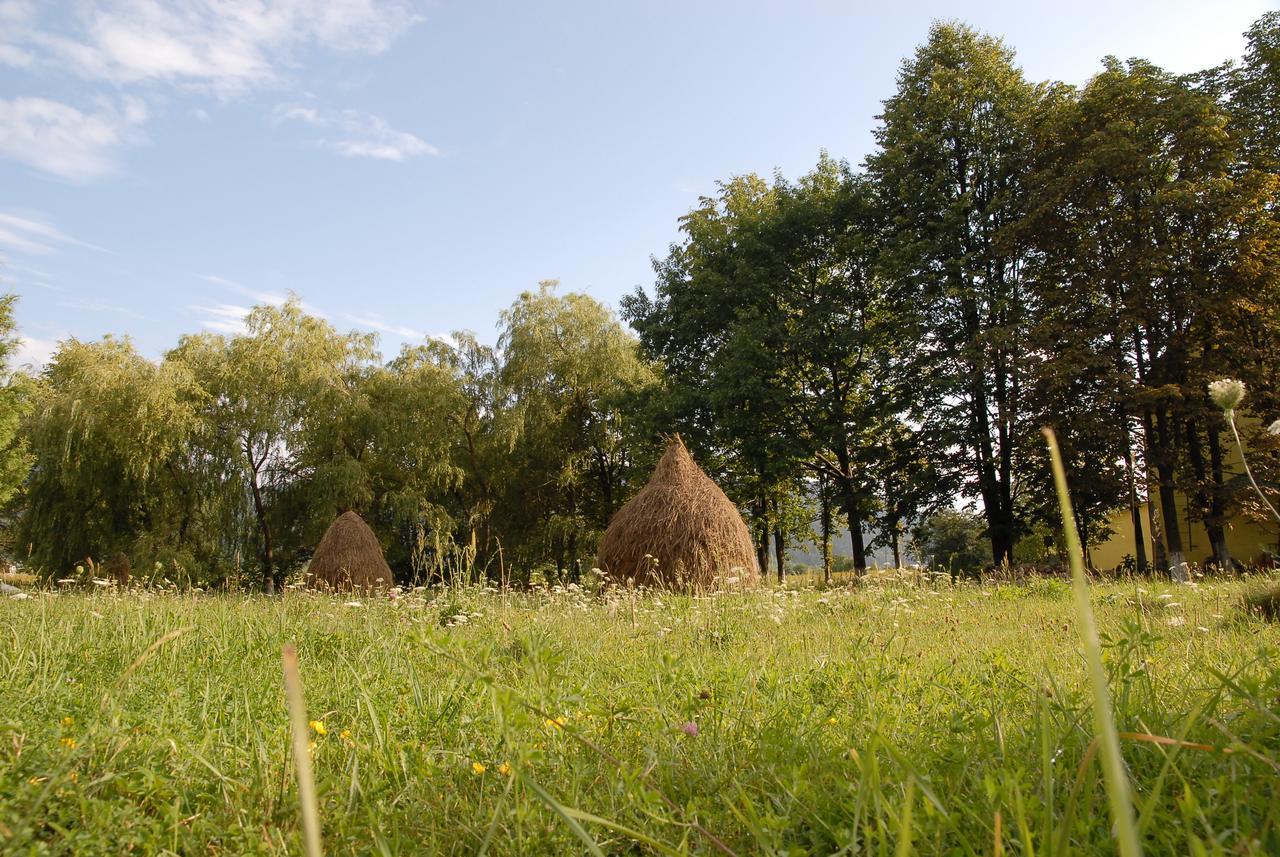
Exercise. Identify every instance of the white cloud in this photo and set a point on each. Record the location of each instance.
(34, 353)
(60, 139)
(222, 45)
(354, 134)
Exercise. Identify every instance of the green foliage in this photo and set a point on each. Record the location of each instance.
(951, 540)
(15, 403)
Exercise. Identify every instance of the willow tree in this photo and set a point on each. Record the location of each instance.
(264, 395)
(566, 362)
(110, 433)
(15, 403)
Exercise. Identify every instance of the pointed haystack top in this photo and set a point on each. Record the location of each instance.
(349, 557)
(680, 531)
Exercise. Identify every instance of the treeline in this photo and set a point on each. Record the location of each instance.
(859, 345)
(1013, 255)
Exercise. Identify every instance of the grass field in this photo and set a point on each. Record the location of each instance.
(886, 718)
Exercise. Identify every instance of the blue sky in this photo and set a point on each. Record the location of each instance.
(409, 167)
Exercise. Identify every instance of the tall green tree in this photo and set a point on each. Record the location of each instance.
(111, 436)
(15, 404)
(264, 393)
(951, 171)
(566, 362)
(1152, 250)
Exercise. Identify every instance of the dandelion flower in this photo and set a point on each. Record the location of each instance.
(318, 727)
(1226, 393)
(478, 767)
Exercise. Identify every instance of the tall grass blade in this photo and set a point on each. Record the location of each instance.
(1113, 770)
(301, 756)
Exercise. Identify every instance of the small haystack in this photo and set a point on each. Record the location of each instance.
(349, 557)
(680, 531)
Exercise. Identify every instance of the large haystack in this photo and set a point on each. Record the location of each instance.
(680, 531)
(349, 557)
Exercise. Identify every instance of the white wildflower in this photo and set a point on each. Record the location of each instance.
(1226, 393)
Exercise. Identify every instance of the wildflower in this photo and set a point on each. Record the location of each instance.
(504, 769)
(558, 723)
(690, 728)
(74, 777)
(317, 726)
(68, 722)
(831, 721)
(1274, 428)
(1176, 621)
(478, 767)
(345, 735)
(311, 748)
(1226, 393)
(69, 743)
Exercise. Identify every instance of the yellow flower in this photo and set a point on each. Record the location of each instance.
(831, 721)
(558, 723)
(504, 769)
(478, 768)
(318, 726)
(69, 743)
(345, 735)
(311, 748)
(74, 777)
(68, 722)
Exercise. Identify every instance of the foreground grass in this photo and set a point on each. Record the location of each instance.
(857, 720)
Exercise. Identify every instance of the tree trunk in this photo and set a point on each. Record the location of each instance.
(824, 498)
(779, 552)
(762, 538)
(859, 545)
(259, 510)
(1168, 498)
(1135, 511)
(1218, 499)
(1205, 496)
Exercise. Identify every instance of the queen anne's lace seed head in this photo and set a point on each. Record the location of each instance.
(1226, 393)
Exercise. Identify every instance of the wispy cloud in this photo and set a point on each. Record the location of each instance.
(258, 296)
(373, 321)
(222, 45)
(28, 234)
(223, 318)
(65, 141)
(354, 134)
(97, 306)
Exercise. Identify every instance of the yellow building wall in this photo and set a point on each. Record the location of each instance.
(1247, 540)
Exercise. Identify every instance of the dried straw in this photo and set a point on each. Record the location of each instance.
(679, 532)
(349, 557)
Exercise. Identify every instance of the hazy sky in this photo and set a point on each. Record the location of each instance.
(410, 167)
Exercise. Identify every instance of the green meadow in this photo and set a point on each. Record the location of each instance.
(891, 716)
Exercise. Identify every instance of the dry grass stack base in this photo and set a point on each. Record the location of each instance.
(349, 557)
(679, 532)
